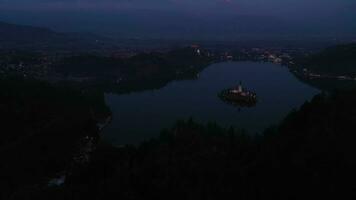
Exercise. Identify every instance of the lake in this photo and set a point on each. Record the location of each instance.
(140, 116)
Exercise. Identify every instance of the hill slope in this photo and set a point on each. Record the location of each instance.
(336, 60)
(14, 36)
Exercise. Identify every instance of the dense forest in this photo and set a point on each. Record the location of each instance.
(309, 155)
(19, 57)
(139, 72)
(41, 129)
(143, 66)
(328, 84)
(336, 60)
(334, 68)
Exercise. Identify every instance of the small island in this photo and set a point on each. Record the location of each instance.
(239, 96)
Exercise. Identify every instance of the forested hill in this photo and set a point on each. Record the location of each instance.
(139, 72)
(42, 127)
(13, 36)
(151, 65)
(337, 60)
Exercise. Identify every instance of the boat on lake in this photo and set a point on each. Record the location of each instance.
(239, 96)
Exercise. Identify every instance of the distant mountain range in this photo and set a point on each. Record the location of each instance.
(173, 25)
(14, 36)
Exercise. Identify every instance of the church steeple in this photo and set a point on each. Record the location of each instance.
(239, 88)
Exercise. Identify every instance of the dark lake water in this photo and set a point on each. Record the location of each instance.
(141, 115)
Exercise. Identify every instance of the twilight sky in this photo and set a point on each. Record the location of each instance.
(336, 16)
(321, 7)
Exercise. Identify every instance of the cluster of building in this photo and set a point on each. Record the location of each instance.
(278, 56)
(239, 96)
(39, 69)
(241, 92)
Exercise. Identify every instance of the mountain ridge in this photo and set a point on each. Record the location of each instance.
(14, 36)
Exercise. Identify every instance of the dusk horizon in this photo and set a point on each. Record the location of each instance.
(205, 19)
